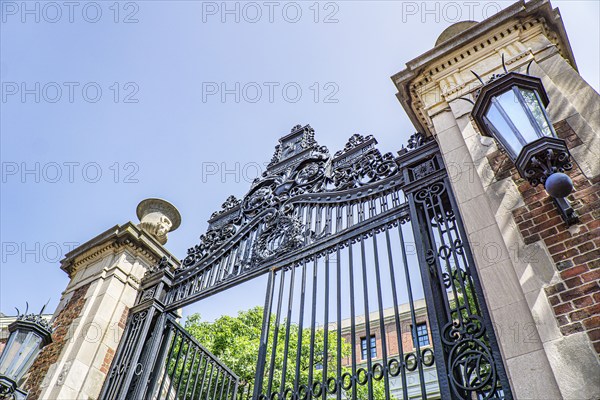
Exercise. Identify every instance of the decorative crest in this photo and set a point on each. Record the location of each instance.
(299, 166)
(229, 204)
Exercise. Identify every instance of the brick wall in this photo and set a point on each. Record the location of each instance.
(575, 251)
(50, 354)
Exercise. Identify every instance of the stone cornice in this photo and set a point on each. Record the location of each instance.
(138, 242)
(443, 73)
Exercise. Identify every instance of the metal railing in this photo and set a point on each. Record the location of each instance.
(190, 371)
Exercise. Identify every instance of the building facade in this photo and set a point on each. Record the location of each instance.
(407, 342)
(539, 276)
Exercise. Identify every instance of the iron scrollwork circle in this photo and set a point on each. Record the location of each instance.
(472, 368)
(362, 379)
(347, 381)
(331, 389)
(302, 393)
(394, 367)
(317, 389)
(289, 393)
(428, 357)
(378, 371)
(275, 396)
(411, 362)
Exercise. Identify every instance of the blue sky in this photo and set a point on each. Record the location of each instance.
(110, 103)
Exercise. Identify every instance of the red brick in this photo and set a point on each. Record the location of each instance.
(584, 248)
(531, 239)
(594, 334)
(554, 300)
(579, 239)
(565, 255)
(595, 224)
(527, 193)
(525, 224)
(579, 291)
(591, 276)
(583, 302)
(554, 289)
(589, 256)
(538, 208)
(585, 313)
(592, 323)
(548, 232)
(575, 271)
(556, 249)
(584, 192)
(519, 211)
(573, 282)
(572, 328)
(563, 308)
(550, 223)
(558, 238)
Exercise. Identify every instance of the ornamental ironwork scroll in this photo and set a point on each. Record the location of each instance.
(467, 341)
(339, 218)
(248, 235)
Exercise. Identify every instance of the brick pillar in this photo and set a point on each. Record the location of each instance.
(540, 277)
(105, 277)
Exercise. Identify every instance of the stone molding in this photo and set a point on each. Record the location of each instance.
(136, 240)
(433, 79)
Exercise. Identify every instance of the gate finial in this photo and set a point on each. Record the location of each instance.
(158, 217)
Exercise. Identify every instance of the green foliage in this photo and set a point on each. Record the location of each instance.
(235, 341)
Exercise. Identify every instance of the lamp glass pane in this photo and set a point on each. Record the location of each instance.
(27, 355)
(518, 115)
(21, 354)
(11, 350)
(534, 103)
(502, 130)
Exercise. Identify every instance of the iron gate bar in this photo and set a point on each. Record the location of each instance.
(178, 341)
(286, 222)
(480, 302)
(412, 314)
(300, 326)
(313, 315)
(325, 384)
(352, 317)
(396, 311)
(367, 313)
(293, 257)
(339, 318)
(383, 187)
(381, 322)
(264, 336)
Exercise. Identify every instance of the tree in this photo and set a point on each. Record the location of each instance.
(235, 341)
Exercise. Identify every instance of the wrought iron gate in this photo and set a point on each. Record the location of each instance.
(353, 244)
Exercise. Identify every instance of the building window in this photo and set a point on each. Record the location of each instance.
(422, 335)
(372, 347)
